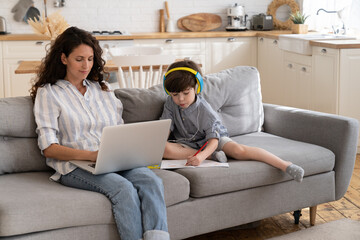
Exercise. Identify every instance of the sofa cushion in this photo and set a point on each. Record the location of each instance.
(18, 140)
(141, 104)
(30, 202)
(234, 93)
(17, 117)
(249, 174)
(20, 155)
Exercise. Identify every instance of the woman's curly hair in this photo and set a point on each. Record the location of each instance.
(52, 69)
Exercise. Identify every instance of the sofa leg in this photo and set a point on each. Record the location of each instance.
(312, 215)
(297, 214)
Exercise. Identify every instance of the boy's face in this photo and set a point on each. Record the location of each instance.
(184, 98)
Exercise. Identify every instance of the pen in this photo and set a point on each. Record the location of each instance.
(200, 149)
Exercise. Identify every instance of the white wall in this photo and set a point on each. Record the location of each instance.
(129, 15)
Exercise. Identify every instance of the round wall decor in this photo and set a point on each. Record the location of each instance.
(272, 8)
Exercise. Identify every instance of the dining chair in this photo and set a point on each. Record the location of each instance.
(140, 67)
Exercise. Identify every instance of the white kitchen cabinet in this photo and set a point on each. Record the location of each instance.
(270, 65)
(223, 53)
(297, 75)
(190, 48)
(325, 62)
(13, 53)
(349, 84)
(16, 84)
(1, 73)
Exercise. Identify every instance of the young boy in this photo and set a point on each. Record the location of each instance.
(195, 123)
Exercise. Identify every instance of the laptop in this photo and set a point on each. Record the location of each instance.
(129, 146)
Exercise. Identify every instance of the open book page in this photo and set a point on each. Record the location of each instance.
(173, 164)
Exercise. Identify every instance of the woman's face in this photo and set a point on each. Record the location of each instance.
(78, 63)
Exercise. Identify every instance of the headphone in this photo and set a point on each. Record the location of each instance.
(198, 77)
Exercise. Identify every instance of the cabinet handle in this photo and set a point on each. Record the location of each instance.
(231, 39)
(169, 41)
(303, 69)
(275, 42)
(39, 43)
(323, 50)
(261, 39)
(290, 65)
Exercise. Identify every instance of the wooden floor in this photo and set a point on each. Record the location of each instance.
(346, 207)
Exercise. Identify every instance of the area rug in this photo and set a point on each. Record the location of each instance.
(346, 229)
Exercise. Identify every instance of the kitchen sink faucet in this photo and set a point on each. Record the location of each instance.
(340, 14)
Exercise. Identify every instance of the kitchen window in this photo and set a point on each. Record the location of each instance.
(348, 10)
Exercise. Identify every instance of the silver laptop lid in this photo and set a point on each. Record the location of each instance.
(132, 145)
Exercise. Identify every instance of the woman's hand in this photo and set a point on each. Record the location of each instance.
(93, 156)
(60, 152)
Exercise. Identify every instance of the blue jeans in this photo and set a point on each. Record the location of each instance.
(137, 198)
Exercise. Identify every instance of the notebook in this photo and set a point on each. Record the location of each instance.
(128, 146)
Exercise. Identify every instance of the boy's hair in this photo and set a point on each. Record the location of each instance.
(178, 81)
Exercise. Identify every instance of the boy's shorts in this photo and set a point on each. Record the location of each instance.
(222, 142)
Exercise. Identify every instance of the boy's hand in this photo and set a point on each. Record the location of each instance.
(194, 160)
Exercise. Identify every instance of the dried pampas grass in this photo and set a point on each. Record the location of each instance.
(50, 26)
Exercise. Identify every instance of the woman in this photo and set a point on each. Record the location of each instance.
(72, 106)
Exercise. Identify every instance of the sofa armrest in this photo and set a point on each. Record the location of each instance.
(336, 133)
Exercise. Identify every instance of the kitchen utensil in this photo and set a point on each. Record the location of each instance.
(21, 8)
(170, 26)
(32, 13)
(45, 9)
(236, 18)
(3, 29)
(200, 22)
(262, 22)
(162, 21)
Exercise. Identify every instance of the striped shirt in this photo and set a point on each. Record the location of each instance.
(64, 116)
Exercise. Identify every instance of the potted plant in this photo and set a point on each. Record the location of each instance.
(299, 26)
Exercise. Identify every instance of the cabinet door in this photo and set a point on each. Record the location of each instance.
(16, 84)
(2, 94)
(349, 97)
(297, 85)
(13, 53)
(270, 66)
(192, 48)
(223, 53)
(325, 63)
(297, 73)
(301, 91)
(289, 75)
(25, 49)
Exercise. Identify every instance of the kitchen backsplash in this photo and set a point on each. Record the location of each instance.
(130, 15)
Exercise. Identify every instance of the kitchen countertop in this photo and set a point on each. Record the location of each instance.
(156, 35)
(274, 34)
(337, 44)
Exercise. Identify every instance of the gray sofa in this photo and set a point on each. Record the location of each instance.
(198, 200)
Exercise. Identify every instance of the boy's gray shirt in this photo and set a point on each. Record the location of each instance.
(194, 125)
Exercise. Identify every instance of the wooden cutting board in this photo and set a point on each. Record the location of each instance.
(200, 22)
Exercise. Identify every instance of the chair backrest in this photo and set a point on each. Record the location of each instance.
(140, 67)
